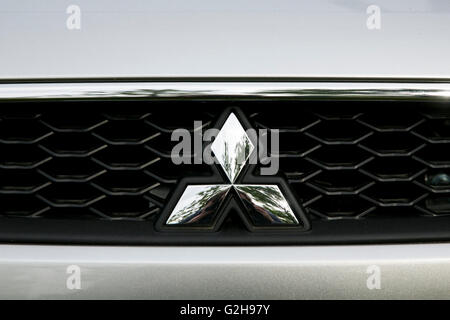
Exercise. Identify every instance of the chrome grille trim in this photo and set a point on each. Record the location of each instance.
(77, 89)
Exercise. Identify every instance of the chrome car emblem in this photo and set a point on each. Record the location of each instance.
(232, 147)
(202, 205)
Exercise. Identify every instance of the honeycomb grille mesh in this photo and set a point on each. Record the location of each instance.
(111, 160)
(375, 161)
(111, 164)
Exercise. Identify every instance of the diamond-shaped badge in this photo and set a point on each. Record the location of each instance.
(232, 147)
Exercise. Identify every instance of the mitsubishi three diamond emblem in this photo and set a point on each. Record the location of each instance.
(263, 202)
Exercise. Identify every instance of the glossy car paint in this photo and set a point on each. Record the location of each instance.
(202, 38)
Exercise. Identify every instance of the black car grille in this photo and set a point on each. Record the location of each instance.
(367, 161)
(110, 160)
(103, 164)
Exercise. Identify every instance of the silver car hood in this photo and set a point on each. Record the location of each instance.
(203, 38)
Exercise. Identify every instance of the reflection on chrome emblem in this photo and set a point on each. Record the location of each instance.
(232, 147)
(200, 204)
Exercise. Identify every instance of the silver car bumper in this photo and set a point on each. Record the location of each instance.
(327, 272)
